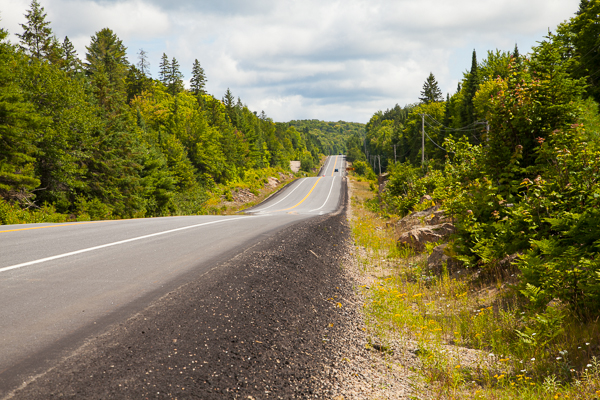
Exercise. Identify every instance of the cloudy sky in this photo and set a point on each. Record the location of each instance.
(328, 60)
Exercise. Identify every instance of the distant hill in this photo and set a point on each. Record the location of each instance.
(332, 135)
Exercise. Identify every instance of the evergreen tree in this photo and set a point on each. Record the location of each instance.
(164, 70)
(431, 91)
(143, 63)
(106, 52)
(175, 78)
(17, 123)
(71, 62)
(36, 39)
(228, 99)
(107, 66)
(136, 82)
(470, 88)
(198, 81)
(582, 33)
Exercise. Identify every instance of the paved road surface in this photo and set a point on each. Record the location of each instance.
(61, 284)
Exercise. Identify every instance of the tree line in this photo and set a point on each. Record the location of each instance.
(100, 137)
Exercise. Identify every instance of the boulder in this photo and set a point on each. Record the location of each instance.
(438, 217)
(273, 182)
(419, 235)
(437, 259)
(415, 219)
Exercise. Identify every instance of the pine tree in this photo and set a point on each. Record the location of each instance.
(431, 91)
(36, 39)
(18, 120)
(71, 62)
(175, 80)
(143, 63)
(470, 88)
(228, 99)
(107, 65)
(164, 70)
(107, 52)
(198, 81)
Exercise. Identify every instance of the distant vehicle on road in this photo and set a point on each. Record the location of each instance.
(336, 170)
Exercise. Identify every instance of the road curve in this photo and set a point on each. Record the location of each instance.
(61, 284)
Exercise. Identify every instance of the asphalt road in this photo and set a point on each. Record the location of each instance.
(62, 284)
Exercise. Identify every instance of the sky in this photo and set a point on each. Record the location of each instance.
(309, 59)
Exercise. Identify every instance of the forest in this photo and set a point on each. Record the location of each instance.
(98, 137)
(513, 156)
(332, 135)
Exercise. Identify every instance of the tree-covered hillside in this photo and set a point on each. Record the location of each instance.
(332, 135)
(101, 138)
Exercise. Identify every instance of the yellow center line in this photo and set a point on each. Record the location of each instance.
(334, 164)
(305, 197)
(51, 226)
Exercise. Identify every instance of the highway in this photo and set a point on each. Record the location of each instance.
(63, 284)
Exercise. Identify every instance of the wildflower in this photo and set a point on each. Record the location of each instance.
(587, 344)
(533, 359)
(589, 365)
(559, 358)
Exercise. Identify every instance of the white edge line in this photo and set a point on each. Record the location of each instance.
(327, 199)
(41, 260)
(262, 209)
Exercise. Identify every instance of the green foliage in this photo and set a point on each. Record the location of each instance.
(36, 39)
(431, 91)
(113, 143)
(330, 137)
(18, 120)
(530, 190)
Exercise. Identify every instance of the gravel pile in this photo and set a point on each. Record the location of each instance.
(280, 320)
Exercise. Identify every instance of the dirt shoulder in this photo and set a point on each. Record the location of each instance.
(280, 320)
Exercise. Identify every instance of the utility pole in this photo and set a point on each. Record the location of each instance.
(379, 159)
(394, 154)
(423, 139)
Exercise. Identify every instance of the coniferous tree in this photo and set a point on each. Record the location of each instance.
(175, 79)
(198, 81)
(71, 62)
(36, 39)
(228, 99)
(107, 65)
(17, 123)
(470, 88)
(582, 33)
(107, 52)
(143, 63)
(431, 91)
(164, 70)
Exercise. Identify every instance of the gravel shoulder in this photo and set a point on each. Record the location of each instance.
(280, 320)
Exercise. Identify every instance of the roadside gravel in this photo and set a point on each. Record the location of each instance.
(280, 320)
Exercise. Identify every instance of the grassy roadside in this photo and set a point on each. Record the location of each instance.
(472, 338)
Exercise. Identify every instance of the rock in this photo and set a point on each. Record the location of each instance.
(439, 217)
(273, 182)
(437, 259)
(419, 235)
(425, 198)
(415, 219)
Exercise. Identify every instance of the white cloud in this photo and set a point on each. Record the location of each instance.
(341, 59)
